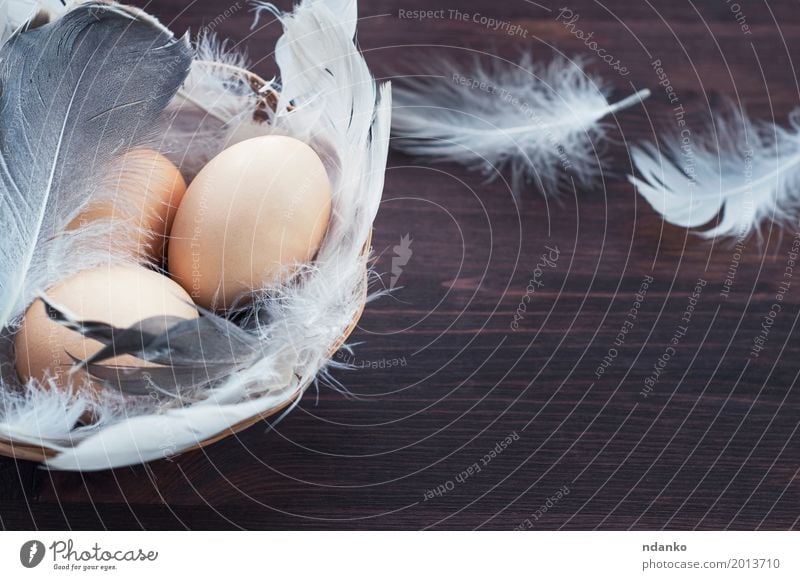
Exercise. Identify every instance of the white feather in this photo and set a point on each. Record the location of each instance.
(37, 413)
(339, 111)
(345, 10)
(214, 108)
(157, 436)
(541, 122)
(15, 14)
(210, 81)
(749, 171)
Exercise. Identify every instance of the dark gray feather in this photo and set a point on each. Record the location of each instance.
(190, 354)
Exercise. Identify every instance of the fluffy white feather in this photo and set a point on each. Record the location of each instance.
(37, 413)
(213, 86)
(337, 108)
(749, 171)
(541, 122)
(215, 106)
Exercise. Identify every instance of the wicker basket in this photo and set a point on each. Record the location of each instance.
(267, 98)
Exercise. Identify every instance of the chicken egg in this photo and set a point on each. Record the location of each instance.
(148, 190)
(117, 295)
(252, 213)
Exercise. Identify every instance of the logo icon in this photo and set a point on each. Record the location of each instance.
(402, 254)
(31, 553)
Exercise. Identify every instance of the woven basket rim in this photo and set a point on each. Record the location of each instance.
(269, 97)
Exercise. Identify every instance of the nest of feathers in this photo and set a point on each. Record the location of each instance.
(218, 372)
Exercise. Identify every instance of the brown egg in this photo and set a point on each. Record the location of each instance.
(149, 189)
(254, 212)
(119, 295)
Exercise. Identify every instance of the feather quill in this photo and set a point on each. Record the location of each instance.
(745, 170)
(76, 95)
(540, 122)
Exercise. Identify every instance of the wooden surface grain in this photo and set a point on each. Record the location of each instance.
(444, 377)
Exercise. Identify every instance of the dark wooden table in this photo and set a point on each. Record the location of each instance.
(445, 378)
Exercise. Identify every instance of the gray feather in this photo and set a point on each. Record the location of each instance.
(75, 95)
(190, 354)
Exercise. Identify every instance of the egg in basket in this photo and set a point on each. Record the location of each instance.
(187, 243)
